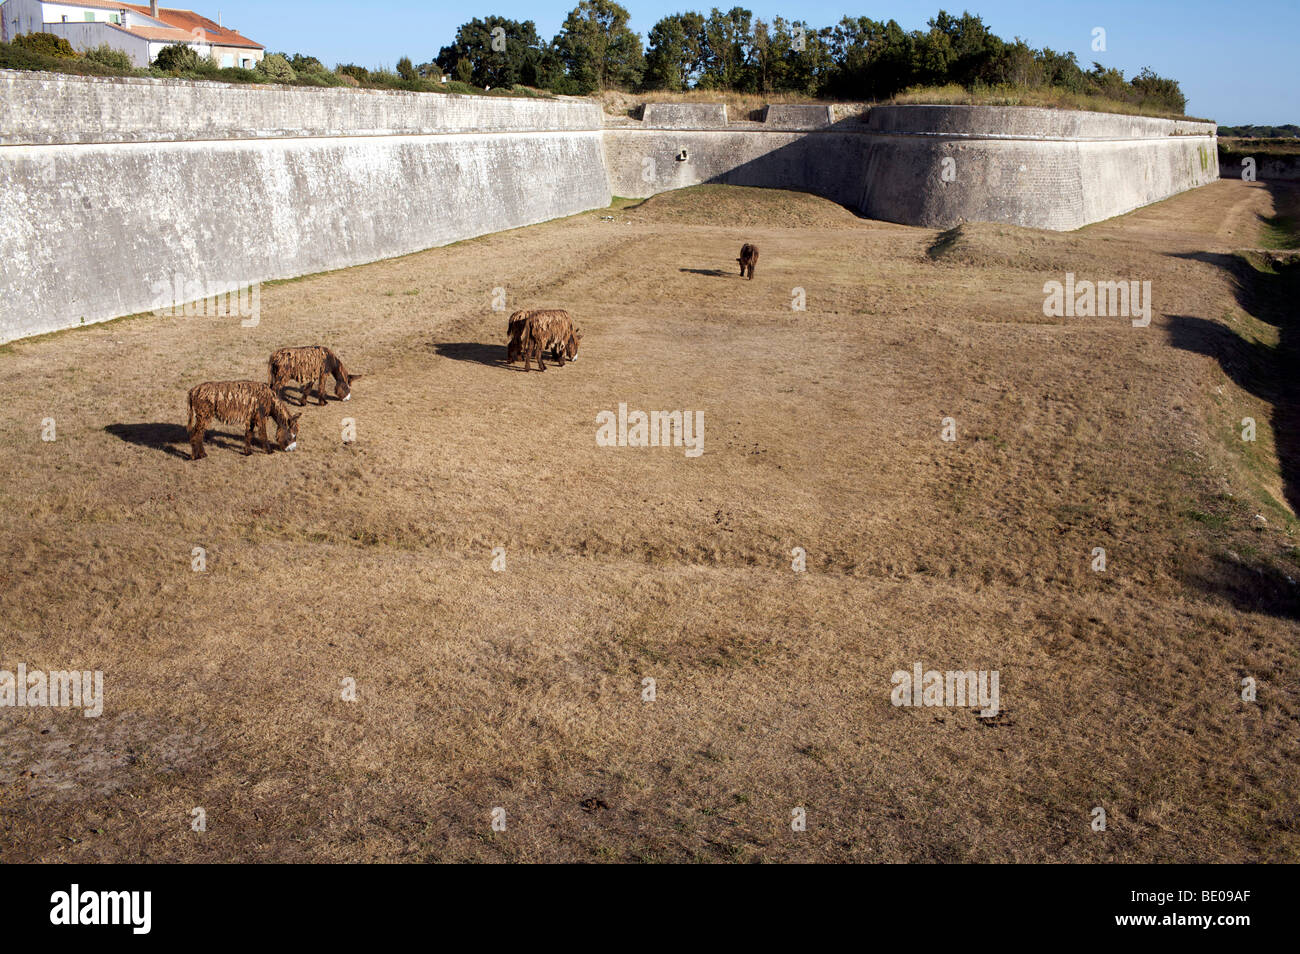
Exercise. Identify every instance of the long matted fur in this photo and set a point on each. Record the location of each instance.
(549, 328)
(309, 366)
(515, 333)
(748, 259)
(239, 402)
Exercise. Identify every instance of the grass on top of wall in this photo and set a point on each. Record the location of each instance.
(1046, 96)
(749, 105)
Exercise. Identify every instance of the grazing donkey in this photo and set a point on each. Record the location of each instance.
(549, 328)
(309, 366)
(240, 402)
(748, 259)
(514, 339)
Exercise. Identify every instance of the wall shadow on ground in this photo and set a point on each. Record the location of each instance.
(1266, 286)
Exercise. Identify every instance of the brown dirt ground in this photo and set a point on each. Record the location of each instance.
(522, 689)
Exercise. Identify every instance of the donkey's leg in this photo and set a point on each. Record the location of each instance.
(197, 435)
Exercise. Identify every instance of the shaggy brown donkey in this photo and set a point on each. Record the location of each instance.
(748, 259)
(549, 328)
(240, 402)
(515, 334)
(309, 366)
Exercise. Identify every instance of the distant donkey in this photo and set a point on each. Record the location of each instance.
(240, 402)
(515, 335)
(553, 329)
(309, 366)
(748, 259)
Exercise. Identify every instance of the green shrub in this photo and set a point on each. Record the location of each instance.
(276, 67)
(358, 73)
(237, 74)
(177, 58)
(105, 55)
(46, 44)
(307, 66)
(456, 86)
(383, 77)
(405, 69)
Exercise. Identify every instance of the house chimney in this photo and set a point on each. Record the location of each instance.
(153, 9)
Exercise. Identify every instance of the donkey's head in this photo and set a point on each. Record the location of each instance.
(571, 346)
(343, 384)
(286, 431)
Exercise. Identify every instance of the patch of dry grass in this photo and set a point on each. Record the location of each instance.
(523, 689)
(742, 106)
(1049, 96)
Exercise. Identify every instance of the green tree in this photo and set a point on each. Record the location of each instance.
(667, 63)
(499, 51)
(973, 47)
(727, 43)
(307, 64)
(932, 57)
(598, 49)
(276, 67)
(405, 69)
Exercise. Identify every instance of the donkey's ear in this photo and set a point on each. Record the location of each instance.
(294, 417)
(352, 377)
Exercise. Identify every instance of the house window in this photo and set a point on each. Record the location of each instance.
(227, 60)
(90, 17)
(246, 64)
(116, 18)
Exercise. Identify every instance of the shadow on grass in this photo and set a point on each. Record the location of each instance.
(1250, 583)
(493, 355)
(164, 436)
(711, 272)
(1267, 288)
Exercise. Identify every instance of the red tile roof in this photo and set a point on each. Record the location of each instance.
(193, 25)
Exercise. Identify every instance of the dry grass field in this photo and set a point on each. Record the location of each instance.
(522, 689)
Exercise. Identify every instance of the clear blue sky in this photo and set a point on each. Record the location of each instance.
(1238, 62)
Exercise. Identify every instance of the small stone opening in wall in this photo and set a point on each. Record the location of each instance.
(681, 156)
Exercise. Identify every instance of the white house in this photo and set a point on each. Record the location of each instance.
(137, 30)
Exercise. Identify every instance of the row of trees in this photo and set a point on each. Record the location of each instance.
(1285, 131)
(858, 58)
